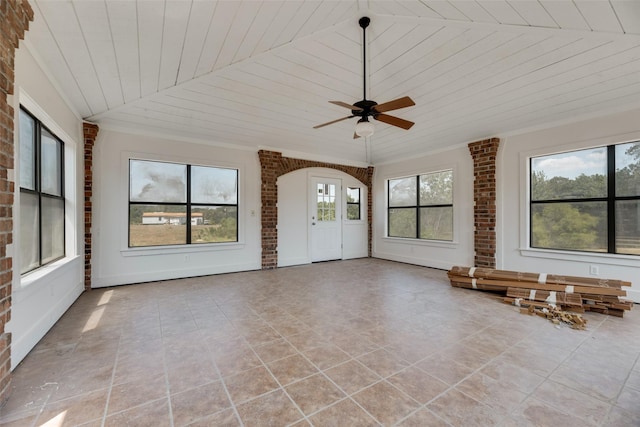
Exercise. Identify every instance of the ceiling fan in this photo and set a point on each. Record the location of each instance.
(367, 108)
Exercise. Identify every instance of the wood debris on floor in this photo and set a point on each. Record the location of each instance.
(554, 294)
(555, 315)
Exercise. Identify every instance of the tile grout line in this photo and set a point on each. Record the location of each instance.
(347, 395)
(113, 376)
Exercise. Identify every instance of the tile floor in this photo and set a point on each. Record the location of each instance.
(350, 343)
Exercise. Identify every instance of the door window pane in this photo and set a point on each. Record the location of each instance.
(27, 151)
(52, 229)
(578, 226)
(157, 182)
(402, 192)
(436, 223)
(402, 223)
(628, 227)
(214, 224)
(156, 225)
(29, 232)
(575, 175)
(214, 185)
(326, 202)
(628, 169)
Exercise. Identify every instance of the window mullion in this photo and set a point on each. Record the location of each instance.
(417, 206)
(38, 149)
(188, 210)
(611, 198)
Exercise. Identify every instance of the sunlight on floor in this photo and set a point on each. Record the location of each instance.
(95, 317)
(56, 421)
(93, 320)
(105, 298)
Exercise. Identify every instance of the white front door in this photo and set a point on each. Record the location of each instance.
(326, 219)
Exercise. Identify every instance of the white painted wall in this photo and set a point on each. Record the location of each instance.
(114, 263)
(41, 297)
(294, 217)
(424, 252)
(512, 222)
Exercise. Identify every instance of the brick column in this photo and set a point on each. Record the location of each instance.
(90, 135)
(274, 165)
(369, 182)
(270, 164)
(15, 16)
(484, 197)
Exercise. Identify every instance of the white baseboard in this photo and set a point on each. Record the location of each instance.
(23, 343)
(154, 276)
(413, 260)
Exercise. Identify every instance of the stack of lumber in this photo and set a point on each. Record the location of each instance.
(570, 293)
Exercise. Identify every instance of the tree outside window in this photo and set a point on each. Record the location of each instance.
(353, 203)
(421, 207)
(587, 200)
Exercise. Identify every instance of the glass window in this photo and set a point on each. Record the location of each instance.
(178, 204)
(41, 194)
(402, 192)
(27, 151)
(587, 200)
(326, 202)
(157, 182)
(353, 203)
(421, 207)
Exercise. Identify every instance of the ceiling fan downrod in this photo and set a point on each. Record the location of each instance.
(366, 108)
(364, 23)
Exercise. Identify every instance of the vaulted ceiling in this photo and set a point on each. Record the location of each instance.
(259, 73)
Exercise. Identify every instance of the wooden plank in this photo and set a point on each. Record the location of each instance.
(565, 14)
(547, 287)
(560, 298)
(488, 273)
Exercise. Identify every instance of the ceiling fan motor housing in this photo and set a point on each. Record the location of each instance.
(366, 108)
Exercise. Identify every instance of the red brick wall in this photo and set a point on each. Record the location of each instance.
(484, 196)
(90, 135)
(15, 16)
(272, 166)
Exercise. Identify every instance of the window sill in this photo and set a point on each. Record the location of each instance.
(601, 258)
(50, 271)
(181, 249)
(421, 242)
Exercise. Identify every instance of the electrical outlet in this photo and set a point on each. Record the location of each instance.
(594, 270)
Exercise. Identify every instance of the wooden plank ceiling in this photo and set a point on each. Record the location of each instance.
(259, 73)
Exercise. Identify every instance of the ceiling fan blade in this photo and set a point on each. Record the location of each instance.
(345, 105)
(395, 104)
(394, 121)
(332, 122)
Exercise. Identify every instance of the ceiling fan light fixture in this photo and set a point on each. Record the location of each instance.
(364, 127)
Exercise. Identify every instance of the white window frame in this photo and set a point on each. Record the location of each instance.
(71, 191)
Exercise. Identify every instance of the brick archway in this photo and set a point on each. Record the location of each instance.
(274, 165)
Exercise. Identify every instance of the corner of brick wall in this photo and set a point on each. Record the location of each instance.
(15, 16)
(484, 195)
(273, 165)
(90, 134)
